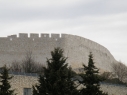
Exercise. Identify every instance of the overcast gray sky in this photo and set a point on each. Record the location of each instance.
(103, 21)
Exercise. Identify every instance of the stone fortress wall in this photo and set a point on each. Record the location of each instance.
(21, 82)
(75, 48)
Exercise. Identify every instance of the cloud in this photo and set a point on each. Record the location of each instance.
(43, 4)
(101, 21)
(101, 25)
(26, 10)
(30, 9)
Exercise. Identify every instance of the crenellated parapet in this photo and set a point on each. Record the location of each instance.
(76, 48)
(55, 36)
(79, 41)
(23, 35)
(35, 35)
(44, 35)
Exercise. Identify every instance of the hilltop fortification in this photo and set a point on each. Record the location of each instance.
(75, 48)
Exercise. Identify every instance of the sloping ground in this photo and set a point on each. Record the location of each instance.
(114, 89)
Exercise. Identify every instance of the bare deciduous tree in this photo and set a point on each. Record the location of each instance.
(16, 66)
(27, 65)
(120, 70)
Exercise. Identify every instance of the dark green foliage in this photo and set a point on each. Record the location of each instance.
(91, 79)
(57, 78)
(4, 80)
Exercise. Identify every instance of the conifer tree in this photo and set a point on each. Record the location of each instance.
(91, 79)
(57, 78)
(4, 82)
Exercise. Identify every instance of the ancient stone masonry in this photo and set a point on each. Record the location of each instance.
(20, 82)
(75, 48)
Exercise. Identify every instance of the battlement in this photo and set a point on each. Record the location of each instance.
(43, 43)
(56, 37)
(45, 35)
(76, 49)
(34, 35)
(12, 36)
(23, 35)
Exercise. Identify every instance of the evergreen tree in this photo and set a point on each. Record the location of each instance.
(91, 79)
(57, 78)
(4, 82)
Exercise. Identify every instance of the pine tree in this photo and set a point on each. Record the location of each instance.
(4, 82)
(57, 78)
(91, 80)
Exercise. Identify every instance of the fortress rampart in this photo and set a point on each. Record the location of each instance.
(20, 82)
(75, 48)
